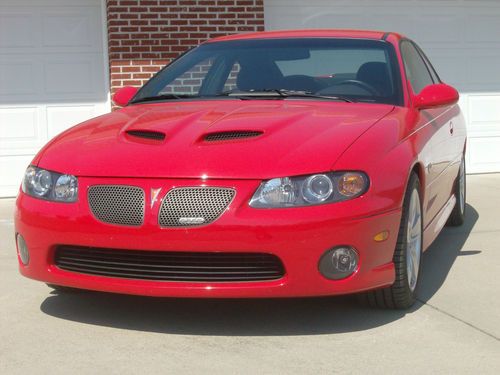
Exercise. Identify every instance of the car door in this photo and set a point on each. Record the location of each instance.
(435, 123)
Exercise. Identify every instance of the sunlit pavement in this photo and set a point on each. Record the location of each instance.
(454, 328)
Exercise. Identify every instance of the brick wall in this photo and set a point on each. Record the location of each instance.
(144, 35)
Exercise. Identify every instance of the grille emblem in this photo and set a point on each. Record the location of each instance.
(154, 195)
(191, 220)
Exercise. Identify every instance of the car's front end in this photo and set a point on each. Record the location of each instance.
(123, 235)
(239, 192)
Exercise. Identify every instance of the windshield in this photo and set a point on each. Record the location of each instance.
(347, 69)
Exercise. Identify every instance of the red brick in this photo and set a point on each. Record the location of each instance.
(151, 69)
(139, 22)
(145, 16)
(129, 16)
(138, 9)
(141, 75)
(131, 69)
(208, 28)
(179, 22)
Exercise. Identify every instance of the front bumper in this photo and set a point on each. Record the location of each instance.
(298, 236)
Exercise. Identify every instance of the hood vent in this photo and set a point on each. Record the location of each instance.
(230, 135)
(147, 134)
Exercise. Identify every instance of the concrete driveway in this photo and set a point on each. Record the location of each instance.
(454, 328)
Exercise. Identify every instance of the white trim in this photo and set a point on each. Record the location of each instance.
(107, 67)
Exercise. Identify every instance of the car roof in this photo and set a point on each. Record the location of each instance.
(311, 33)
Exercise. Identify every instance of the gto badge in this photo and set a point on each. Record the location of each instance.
(191, 220)
(154, 195)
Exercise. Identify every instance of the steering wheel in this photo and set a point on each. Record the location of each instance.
(372, 90)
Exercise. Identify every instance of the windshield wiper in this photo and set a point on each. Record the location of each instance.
(281, 93)
(253, 93)
(308, 94)
(163, 97)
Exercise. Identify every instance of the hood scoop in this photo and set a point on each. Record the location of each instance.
(231, 135)
(146, 134)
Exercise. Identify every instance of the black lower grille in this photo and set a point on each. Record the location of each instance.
(169, 265)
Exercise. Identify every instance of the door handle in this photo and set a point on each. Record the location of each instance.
(451, 128)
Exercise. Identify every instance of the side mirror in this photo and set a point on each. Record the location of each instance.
(123, 95)
(436, 95)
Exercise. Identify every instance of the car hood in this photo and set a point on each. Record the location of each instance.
(298, 137)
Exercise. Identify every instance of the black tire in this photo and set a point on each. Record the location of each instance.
(399, 295)
(63, 289)
(457, 216)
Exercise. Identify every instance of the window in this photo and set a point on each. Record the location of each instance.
(415, 68)
(356, 69)
(433, 72)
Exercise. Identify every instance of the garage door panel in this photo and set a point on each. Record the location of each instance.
(70, 29)
(19, 124)
(482, 28)
(18, 24)
(23, 130)
(484, 114)
(483, 154)
(61, 118)
(12, 168)
(461, 38)
(482, 70)
(18, 77)
(80, 78)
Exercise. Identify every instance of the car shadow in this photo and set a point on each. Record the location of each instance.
(255, 317)
(443, 252)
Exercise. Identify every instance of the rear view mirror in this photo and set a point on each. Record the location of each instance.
(436, 95)
(123, 95)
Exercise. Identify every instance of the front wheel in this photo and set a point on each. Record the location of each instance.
(407, 255)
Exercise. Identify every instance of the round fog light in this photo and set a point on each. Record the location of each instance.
(22, 250)
(339, 262)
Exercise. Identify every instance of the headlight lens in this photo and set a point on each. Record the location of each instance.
(310, 190)
(44, 184)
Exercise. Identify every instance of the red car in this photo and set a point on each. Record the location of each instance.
(274, 164)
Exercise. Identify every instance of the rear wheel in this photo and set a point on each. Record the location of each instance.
(457, 216)
(407, 255)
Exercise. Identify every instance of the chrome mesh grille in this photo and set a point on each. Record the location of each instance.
(194, 206)
(117, 204)
(229, 135)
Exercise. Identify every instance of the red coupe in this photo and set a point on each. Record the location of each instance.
(274, 164)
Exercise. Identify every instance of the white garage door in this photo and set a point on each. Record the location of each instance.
(461, 38)
(52, 75)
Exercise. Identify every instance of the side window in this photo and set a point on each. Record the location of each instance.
(434, 74)
(415, 68)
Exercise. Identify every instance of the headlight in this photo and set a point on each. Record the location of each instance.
(52, 186)
(310, 190)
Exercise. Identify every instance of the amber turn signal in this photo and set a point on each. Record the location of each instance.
(352, 183)
(382, 236)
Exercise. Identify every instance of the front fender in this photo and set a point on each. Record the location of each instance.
(387, 152)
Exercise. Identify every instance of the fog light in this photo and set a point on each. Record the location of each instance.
(339, 262)
(22, 250)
